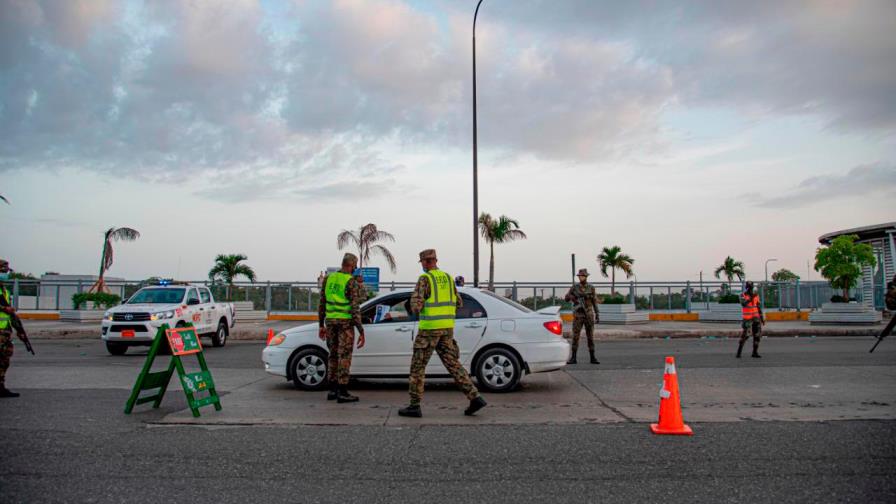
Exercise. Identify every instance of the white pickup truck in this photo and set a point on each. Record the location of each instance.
(135, 322)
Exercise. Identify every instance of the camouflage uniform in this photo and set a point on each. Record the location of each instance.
(585, 314)
(440, 340)
(341, 332)
(753, 325)
(890, 301)
(6, 346)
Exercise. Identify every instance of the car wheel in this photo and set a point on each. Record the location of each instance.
(309, 369)
(498, 370)
(220, 336)
(116, 348)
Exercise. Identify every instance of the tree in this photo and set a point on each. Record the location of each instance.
(365, 242)
(5, 200)
(731, 268)
(228, 267)
(842, 261)
(111, 234)
(613, 258)
(785, 275)
(500, 230)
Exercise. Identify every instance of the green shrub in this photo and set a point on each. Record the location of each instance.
(729, 299)
(836, 298)
(100, 299)
(616, 299)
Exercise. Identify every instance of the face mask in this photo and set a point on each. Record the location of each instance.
(4, 276)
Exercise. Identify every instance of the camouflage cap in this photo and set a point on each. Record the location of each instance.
(349, 258)
(583, 272)
(428, 254)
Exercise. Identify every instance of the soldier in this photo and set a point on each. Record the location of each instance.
(435, 299)
(585, 314)
(890, 302)
(752, 319)
(339, 313)
(6, 326)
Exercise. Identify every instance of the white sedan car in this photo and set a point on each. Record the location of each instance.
(499, 341)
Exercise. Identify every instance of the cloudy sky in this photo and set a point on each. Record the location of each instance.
(681, 131)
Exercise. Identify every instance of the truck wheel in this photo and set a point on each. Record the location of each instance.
(219, 339)
(116, 348)
(498, 370)
(308, 369)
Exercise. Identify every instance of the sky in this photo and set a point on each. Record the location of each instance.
(683, 132)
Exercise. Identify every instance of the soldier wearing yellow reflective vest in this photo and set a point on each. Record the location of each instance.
(339, 313)
(436, 301)
(6, 327)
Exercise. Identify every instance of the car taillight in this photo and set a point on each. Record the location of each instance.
(555, 326)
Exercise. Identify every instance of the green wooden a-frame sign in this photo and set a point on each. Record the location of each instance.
(183, 341)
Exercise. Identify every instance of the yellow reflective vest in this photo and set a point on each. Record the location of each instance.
(338, 306)
(440, 307)
(4, 317)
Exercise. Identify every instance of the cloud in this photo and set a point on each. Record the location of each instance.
(860, 181)
(170, 90)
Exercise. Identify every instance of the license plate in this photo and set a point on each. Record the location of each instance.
(127, 333)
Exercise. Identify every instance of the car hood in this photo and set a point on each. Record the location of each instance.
(153, 307)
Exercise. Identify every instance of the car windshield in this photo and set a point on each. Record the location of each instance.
(507, 301)
(157, 296)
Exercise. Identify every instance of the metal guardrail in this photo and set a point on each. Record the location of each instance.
(303, 296)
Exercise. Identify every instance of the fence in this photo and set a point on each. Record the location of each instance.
(304, 296)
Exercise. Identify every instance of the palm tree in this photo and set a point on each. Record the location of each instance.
(111, 234)
(365, 241)
(731, 268)
(228, 267)
(500, 230)
(613, 258)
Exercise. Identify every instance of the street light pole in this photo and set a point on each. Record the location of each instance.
(475, 164)
(766, 268)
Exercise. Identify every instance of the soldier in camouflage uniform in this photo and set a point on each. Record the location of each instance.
(890, 302)
(339, 313)
(6, 347)
(752, 320)
(425, 301)
(585, 314)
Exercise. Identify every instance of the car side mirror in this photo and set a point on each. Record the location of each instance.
(193, 301)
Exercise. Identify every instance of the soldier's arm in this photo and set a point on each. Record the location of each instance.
(356, 293)
(322, 304)
(594, 300)
(421, 293)
(569, 295)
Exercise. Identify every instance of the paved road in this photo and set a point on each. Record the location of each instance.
(66, 439)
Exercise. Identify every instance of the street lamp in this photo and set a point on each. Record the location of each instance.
(475, 164)
(766, 268)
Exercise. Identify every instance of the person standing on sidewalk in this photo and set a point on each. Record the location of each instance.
(585, 314)
(753, 319)
(339, 313)
(6, 327)
(435, 298)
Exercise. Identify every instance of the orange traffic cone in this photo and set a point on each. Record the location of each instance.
(270, 336)
(670, 421)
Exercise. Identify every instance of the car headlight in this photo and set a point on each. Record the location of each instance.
(276, 340)
(107, 316)
(162, 315)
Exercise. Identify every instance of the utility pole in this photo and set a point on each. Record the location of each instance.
(475, 165)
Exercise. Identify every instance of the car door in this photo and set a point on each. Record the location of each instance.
(469, 326)
(194, 310)
(389, 333)
(207, 310)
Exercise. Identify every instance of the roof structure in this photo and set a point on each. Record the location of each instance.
(864, 233)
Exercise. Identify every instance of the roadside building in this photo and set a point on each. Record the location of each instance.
(882, 238)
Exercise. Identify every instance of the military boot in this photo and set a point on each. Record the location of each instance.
(412, 410)
(572, 357)
(475, 405)
(756, 352)
(334, 391)
(342, 396)
(4, 392)
(740, 348)
(593, 358)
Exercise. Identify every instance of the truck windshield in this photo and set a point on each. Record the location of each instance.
(157, 296)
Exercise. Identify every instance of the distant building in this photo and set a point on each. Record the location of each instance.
(882, 239)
